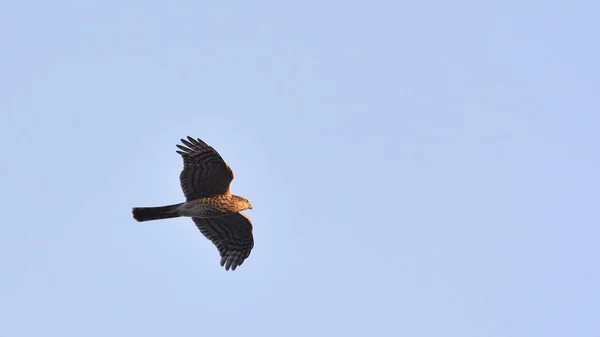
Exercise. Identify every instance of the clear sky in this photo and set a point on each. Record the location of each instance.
(416, 168)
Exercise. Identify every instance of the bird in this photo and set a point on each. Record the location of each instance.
(205, 181)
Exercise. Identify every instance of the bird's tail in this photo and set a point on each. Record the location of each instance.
(156, 213)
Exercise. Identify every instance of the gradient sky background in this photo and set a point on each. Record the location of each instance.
(416, 168)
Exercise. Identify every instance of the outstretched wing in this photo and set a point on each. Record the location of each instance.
(232, 234)
(205, 173)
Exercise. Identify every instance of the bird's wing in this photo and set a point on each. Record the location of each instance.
(232, 234)
(204, 173)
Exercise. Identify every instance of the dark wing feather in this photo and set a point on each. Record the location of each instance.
(205, 173)
(232, 234)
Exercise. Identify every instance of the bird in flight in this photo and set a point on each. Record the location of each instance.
(205, 181)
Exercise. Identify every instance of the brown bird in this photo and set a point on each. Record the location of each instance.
(205, 181)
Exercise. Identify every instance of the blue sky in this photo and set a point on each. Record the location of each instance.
(416, 169)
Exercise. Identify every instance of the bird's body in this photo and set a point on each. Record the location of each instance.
(213, 206)
(205, 181)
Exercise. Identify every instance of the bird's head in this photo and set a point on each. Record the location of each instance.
(241, 203)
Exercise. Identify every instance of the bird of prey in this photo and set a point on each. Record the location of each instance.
(205, 181)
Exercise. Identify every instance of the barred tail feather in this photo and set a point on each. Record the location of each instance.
(156, 213)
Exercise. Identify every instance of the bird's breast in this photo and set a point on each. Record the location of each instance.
(205, 207)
